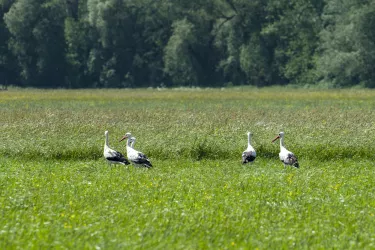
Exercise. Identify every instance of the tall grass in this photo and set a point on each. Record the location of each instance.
(58, 192)
(189, 124)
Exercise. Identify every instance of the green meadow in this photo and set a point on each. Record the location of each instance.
(58, 192)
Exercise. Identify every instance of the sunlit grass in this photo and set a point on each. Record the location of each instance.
(58, 192)
(206, 204)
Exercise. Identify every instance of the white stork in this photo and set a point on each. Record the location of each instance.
(137, 158)
(112, 156)
(249, 154)
(287, 157)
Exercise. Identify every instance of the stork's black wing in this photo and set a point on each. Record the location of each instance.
(247, 157)
(118, 157)
(142, 160)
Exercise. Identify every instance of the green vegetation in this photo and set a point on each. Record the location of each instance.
(148, 43)
(58, 192)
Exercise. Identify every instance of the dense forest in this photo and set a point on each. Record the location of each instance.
(151, 43)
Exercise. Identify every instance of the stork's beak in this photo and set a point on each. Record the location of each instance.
(277, 137)
(123, 138)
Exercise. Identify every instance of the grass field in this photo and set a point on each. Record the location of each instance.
(57, 192)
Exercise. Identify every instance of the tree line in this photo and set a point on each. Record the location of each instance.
(150, 43)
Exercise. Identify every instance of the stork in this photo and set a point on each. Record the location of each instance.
(112, 156)
(249, 154)
(287, 157)
(137, 158)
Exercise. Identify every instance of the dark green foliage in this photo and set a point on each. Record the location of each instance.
(37, 41)
(147, 43)
(179, 63)
(8, 64)
(348, 50)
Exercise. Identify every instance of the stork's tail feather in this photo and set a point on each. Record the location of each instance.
(247, 160)
(296, 165)
(148, 164)
(124, 160)
(244, 161)
(247, 157)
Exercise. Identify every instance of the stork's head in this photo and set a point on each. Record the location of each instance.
(132, 139)
(126, 136)
(281, 135)
(249, 133)
(106, 132)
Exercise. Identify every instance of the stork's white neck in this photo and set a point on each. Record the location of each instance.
(248, 139)
(128, 143)
(282, 141)
(106, 139)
